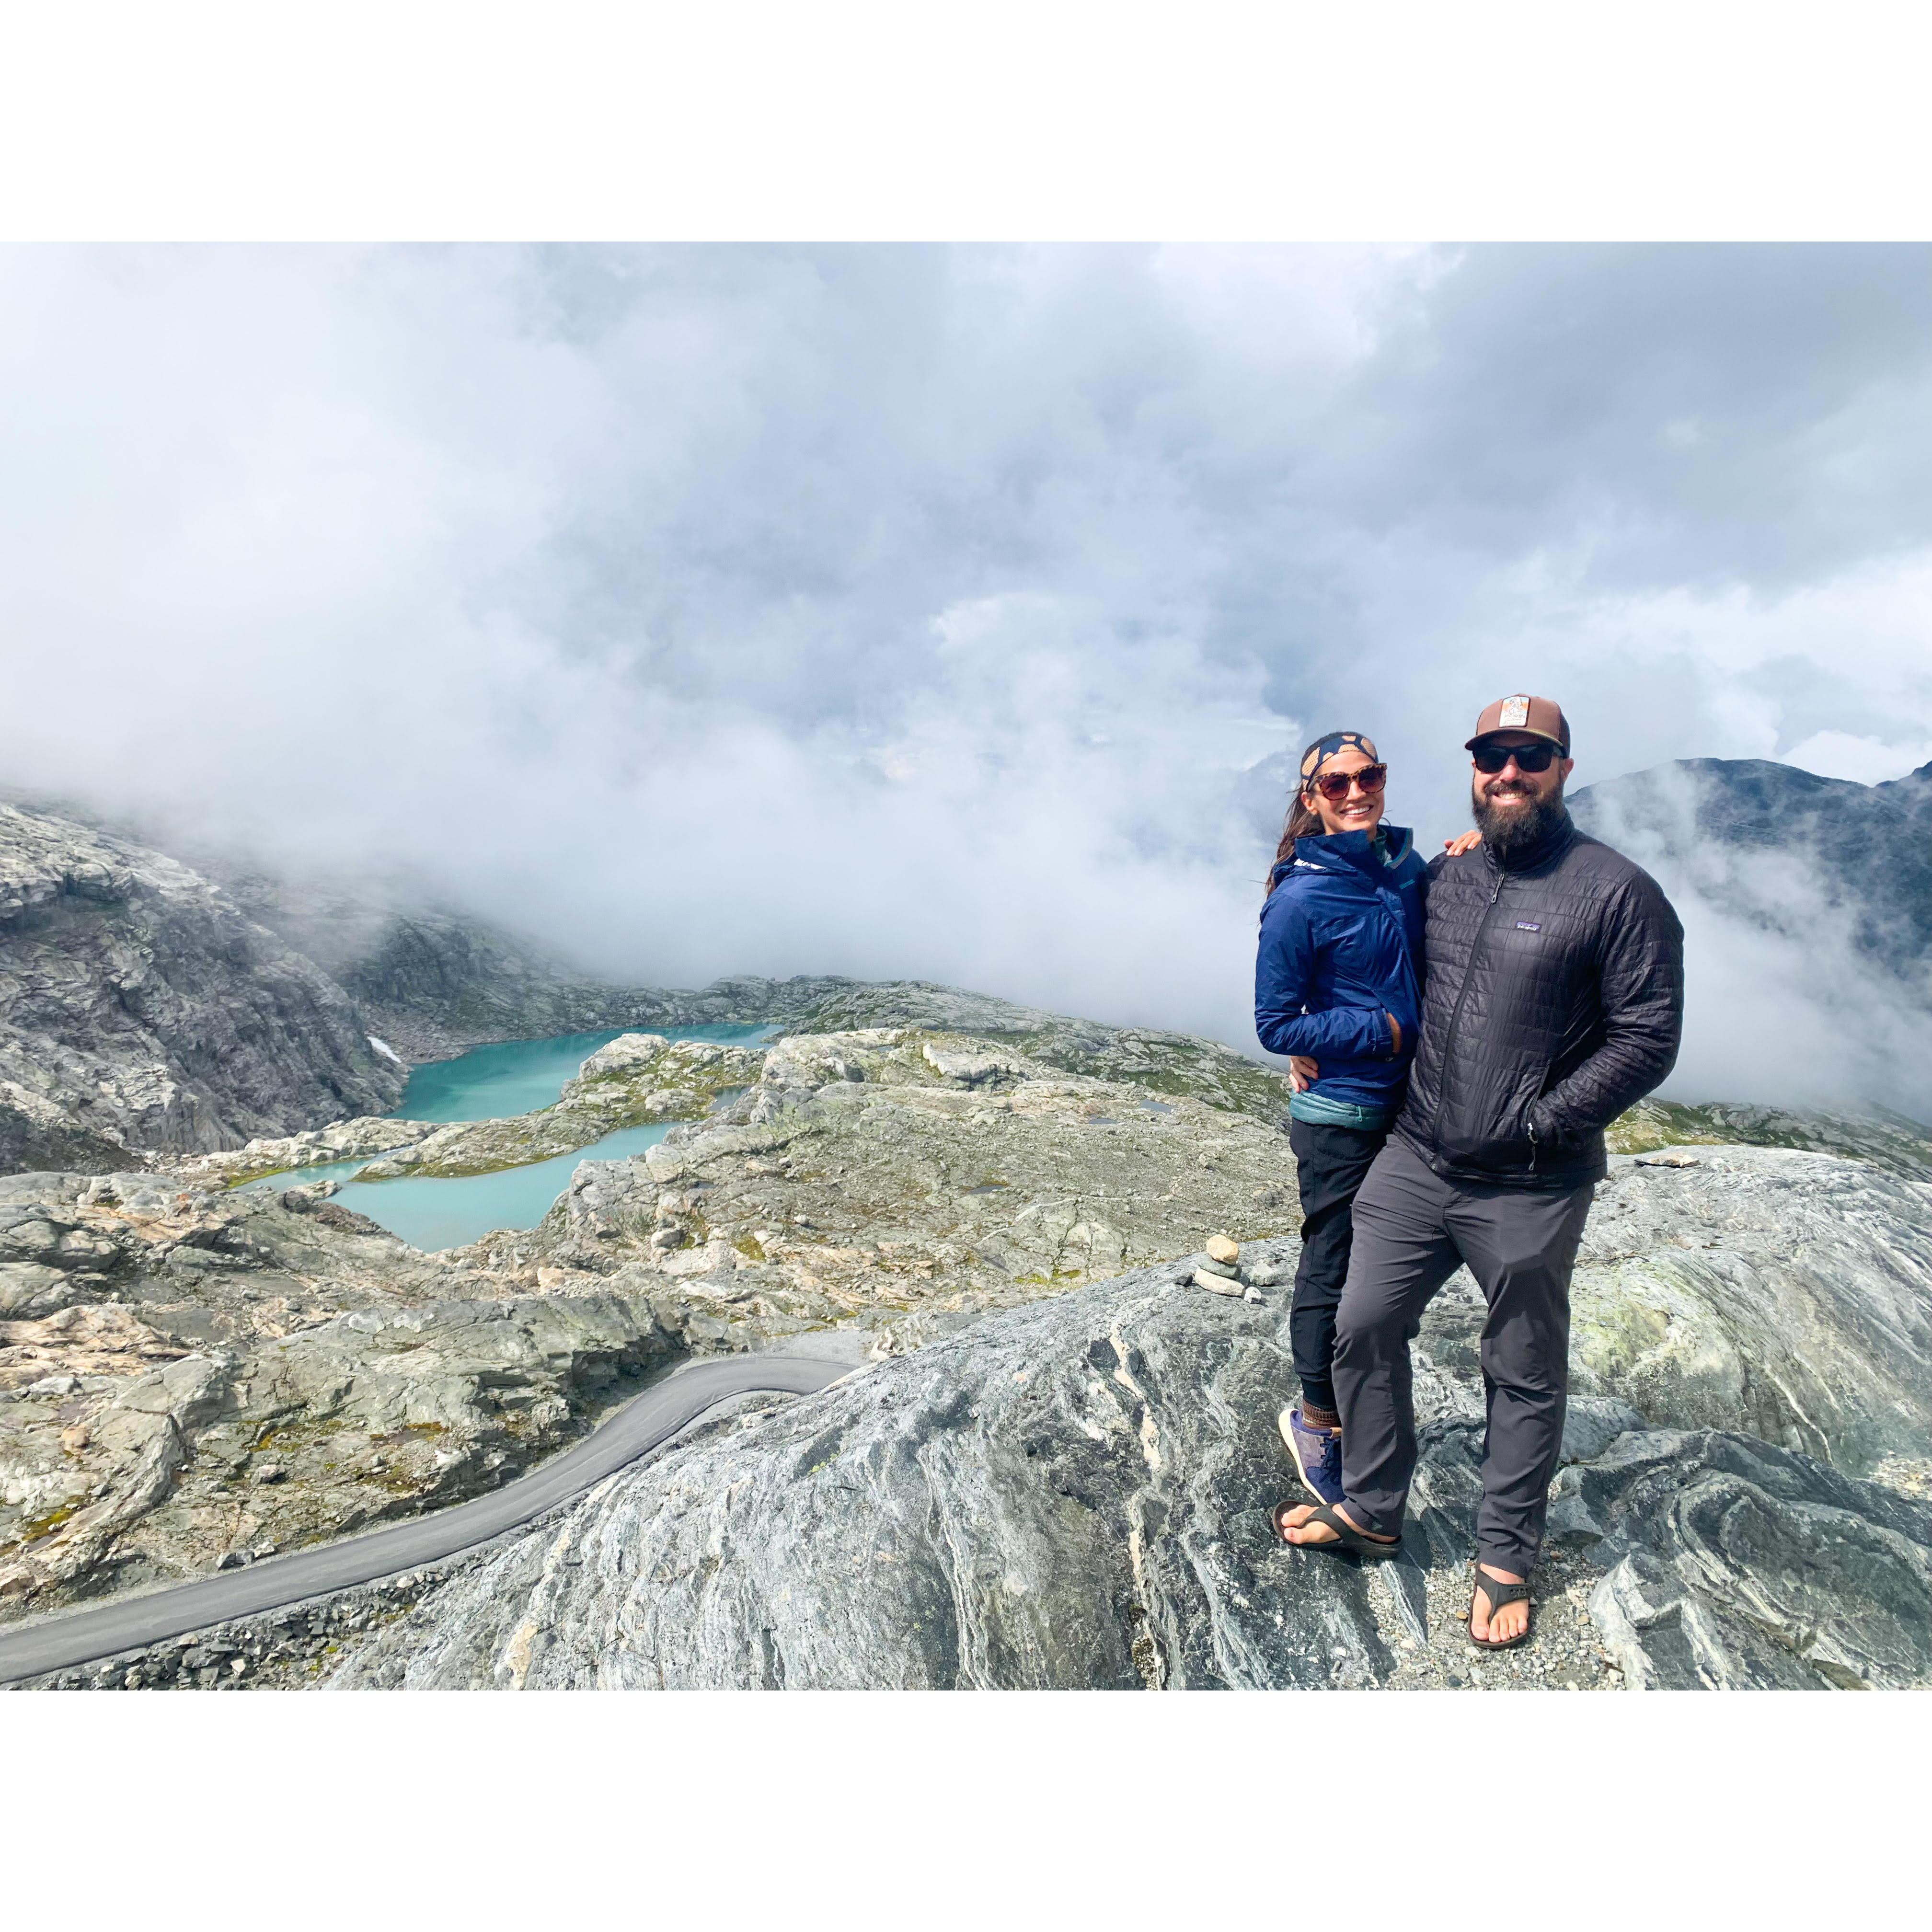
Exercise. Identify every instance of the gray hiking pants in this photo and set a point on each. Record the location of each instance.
(1412, 1229)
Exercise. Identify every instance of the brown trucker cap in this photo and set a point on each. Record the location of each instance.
(1540, 717)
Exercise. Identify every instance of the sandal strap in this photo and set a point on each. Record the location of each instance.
(1499, 1594)
(1347, 1531)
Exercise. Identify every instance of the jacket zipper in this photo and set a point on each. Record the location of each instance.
(1462, 993)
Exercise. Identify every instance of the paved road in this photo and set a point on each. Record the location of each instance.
(83, 1635)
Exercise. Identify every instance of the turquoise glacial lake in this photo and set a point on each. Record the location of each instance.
(489, 1083)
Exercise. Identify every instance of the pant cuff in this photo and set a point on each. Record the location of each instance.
(1371, 1520)
(1321, 1395)
(1514, 1561)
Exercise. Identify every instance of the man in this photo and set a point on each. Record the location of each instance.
(1553, 999)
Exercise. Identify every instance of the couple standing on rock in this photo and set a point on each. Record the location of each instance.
(1461, 1032)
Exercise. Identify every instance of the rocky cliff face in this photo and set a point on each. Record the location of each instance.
(431, 980)
(138, 1008)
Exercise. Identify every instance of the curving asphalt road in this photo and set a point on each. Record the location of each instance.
(660, 1412)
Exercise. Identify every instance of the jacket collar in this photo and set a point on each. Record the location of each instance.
(1342, 853)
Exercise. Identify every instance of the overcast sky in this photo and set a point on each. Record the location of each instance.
(910, 610)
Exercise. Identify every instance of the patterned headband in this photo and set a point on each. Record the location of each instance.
(1320, 753)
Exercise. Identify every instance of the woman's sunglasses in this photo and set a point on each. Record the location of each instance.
(1492, 758)
(1368, 779)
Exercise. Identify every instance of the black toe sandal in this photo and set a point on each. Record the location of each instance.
(1497, 1594)
(1348, 1537)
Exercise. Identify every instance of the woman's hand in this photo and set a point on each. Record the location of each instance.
(1463, 842)
(1302, 1073)
(1395, 1036)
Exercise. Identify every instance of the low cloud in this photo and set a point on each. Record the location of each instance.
(1793, 996)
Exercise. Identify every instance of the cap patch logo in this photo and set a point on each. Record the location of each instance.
(1515, 712)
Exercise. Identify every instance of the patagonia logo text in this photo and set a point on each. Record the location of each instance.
(1527, 926)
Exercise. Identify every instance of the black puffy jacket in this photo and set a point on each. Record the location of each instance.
(1553, 999)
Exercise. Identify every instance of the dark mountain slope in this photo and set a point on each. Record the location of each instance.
(1863, 853)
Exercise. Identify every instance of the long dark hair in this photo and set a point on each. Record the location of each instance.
(1303, 820)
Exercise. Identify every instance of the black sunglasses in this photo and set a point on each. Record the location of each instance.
(1492, 758)
(1333, 786)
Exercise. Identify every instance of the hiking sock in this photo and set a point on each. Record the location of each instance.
(1317, 1418)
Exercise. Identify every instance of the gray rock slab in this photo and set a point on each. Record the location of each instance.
(1075, 1495)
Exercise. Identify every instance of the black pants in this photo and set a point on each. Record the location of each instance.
(1413, 1230)
(1330, 1163)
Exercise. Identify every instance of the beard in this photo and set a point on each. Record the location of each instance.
(1516, 827)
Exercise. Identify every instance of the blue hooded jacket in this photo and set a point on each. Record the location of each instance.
(1341, 948)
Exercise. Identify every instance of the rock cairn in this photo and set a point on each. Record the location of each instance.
(1220, 1272)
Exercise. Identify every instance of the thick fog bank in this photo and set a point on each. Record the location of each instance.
(915, 612)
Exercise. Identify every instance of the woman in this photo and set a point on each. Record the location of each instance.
(1338, 985)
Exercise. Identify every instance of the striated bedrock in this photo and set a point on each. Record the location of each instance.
(1785, 1293)
(187, 1378)
(635, 1080)
(905, 1181)
(1075, 1495)
(1733, 1565)
(139, 1010)
(36, 1132)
